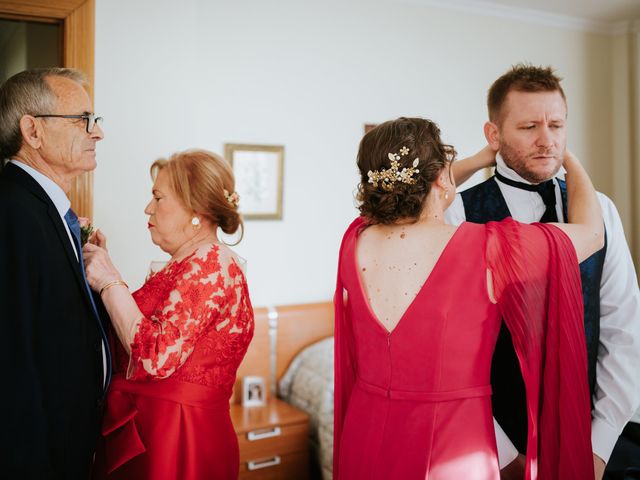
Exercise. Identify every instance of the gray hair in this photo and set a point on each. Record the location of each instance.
(27, 93)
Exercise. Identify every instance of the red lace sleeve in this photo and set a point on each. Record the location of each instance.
(537, 286)
(164, 340)
(344, 361)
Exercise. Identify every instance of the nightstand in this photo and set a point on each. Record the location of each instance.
(273, 440)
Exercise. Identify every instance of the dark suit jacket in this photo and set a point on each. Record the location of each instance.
(52, 379)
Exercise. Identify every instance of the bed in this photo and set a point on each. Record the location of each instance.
(308, 385)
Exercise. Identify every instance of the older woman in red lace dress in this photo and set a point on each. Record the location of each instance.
(181, 337)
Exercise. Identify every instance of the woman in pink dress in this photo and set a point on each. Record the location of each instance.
(181, 337)
(418, 310)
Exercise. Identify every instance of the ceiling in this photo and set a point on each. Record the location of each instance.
(603, 16)
(611, 11)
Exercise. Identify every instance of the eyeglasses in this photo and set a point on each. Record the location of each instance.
(90, 118)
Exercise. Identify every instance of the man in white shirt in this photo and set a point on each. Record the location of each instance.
(527, 126)
(53, 345)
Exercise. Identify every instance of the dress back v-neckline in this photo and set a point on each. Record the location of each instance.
(421, 290)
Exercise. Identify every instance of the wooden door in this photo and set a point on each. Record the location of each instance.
(78, 25)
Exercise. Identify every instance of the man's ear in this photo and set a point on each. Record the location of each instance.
(31, 131)
(492, 134)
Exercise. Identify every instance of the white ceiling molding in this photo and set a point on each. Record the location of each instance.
(527, 15)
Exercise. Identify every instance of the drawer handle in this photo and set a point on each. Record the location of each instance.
(261, 435)
(258, 464)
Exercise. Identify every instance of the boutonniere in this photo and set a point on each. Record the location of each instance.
(86, 229)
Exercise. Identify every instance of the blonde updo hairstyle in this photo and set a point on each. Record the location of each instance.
(404, 201)
(199, 178)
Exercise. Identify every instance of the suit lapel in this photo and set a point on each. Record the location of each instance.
(54, 216)
(22, 178)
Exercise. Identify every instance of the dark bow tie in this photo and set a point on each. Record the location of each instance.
(547, 191)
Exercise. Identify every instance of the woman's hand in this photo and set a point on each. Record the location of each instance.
(463, 169)
(98, 239)
(121, 307)
(486, 157)
(515, 470)
(98, 266)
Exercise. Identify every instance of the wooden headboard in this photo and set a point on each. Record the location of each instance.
(281, 333)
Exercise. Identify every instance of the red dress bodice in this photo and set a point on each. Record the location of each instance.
(197, 323)
(167, 412)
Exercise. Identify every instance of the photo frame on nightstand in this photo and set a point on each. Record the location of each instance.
(253, 391)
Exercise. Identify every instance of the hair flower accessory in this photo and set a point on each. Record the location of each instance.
(388, 176)
(232, 198)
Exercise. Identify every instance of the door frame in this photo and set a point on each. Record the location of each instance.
(77, 18)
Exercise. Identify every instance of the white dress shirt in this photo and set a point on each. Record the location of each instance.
(62, 204)
(617, 391)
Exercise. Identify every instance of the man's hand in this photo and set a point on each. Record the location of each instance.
(515, 470)
(598, 467)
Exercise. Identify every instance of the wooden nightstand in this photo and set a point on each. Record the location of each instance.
(273, 440)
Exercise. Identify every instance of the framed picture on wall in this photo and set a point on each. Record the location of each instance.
(258, 170)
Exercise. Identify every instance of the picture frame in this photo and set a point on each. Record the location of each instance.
(253, 391)
(258, 170)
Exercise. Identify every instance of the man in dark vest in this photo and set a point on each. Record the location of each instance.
(527, 126)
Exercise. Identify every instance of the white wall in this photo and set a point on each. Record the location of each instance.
(308, 75)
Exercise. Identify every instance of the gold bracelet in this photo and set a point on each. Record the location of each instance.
(111, 284)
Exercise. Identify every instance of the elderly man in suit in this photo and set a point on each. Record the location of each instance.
(54, 349)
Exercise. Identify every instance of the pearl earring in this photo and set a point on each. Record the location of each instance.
(446, 194)
(195, 221)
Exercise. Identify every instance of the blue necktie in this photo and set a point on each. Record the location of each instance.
(74, 226)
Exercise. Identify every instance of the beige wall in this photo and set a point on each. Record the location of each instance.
(625, 141)
(308, 75)
(621, 128)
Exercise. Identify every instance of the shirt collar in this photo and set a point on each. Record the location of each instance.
(507, 172)
(51, 188)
